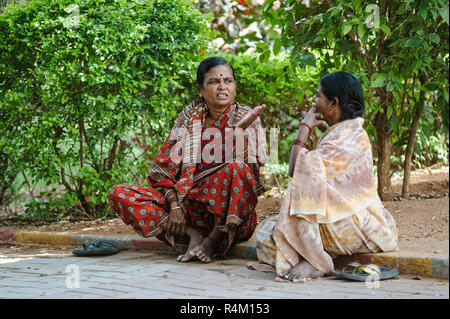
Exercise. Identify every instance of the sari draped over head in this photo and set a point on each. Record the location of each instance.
(175, 165)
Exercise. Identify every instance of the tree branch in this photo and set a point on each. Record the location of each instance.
(405, 89)
(80, 130)
(58, 132)
(86, 139)
(382, 37)
(112, 153)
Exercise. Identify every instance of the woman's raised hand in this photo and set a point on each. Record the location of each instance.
(251, 116)
(313, 118)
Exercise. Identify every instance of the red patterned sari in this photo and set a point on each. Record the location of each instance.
(207, 187)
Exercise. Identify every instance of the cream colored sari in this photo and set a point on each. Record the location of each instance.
(331, 206)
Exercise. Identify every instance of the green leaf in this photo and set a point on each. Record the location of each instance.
(276, 46)
(262, 46)
(444, 13)
(346, 28)
(417, 147)
(389, 111)
(427, 131)
(413, 42)
(264, 57)
(300, 97)
(334, 11)
(273, 34)
(431, 86)
(361, 31)
(424, 13)
(307, 59)
(386, 29)
(434, 37)
(390, 86)
(378, 80)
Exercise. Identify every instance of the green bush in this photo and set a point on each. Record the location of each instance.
(79, 79)
(285, 91)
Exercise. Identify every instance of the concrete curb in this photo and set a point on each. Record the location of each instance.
(410, 263)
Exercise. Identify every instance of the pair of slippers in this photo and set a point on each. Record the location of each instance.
(359, 272)
(97, 248)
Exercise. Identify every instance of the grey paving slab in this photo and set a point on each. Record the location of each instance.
(139, 275)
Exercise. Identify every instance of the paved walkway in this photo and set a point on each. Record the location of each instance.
(144, 274)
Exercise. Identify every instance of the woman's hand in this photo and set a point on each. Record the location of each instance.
(251, 116)
(177, 220)
(313, 118)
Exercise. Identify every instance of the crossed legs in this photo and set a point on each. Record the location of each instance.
(201, 247)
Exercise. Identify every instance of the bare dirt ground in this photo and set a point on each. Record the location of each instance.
(422, 220)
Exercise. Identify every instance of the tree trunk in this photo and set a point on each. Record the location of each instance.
(384, 150)
(410, 147)
(384, 165)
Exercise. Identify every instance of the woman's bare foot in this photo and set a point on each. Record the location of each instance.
(303, 271)
(195, 239)
(205, 250)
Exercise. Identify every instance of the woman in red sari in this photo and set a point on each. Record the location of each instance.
(201, 202)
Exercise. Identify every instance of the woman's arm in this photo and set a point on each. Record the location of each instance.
(301, 141)
(310, 121)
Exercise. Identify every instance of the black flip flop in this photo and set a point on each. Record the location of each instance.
(97, 248)
(366, 272)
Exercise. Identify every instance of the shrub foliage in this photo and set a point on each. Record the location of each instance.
(80, 80)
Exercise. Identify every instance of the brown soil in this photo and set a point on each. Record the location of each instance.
(422, 220)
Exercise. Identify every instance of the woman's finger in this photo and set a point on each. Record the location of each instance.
(250, 117)
(260, 109)
(174, 228)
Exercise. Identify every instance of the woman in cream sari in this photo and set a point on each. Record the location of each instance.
(331, 206)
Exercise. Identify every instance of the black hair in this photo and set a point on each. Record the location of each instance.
(348, 90)
(207, 64)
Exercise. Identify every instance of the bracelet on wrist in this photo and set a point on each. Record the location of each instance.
(302, 144)
(170, 196)
(304, 124)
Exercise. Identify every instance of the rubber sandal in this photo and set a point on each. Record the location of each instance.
(365, 272)
(97, 248)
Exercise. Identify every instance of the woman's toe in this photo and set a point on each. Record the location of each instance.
(193, 252)
(300, 279)
(206, 258)
(186, 257)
